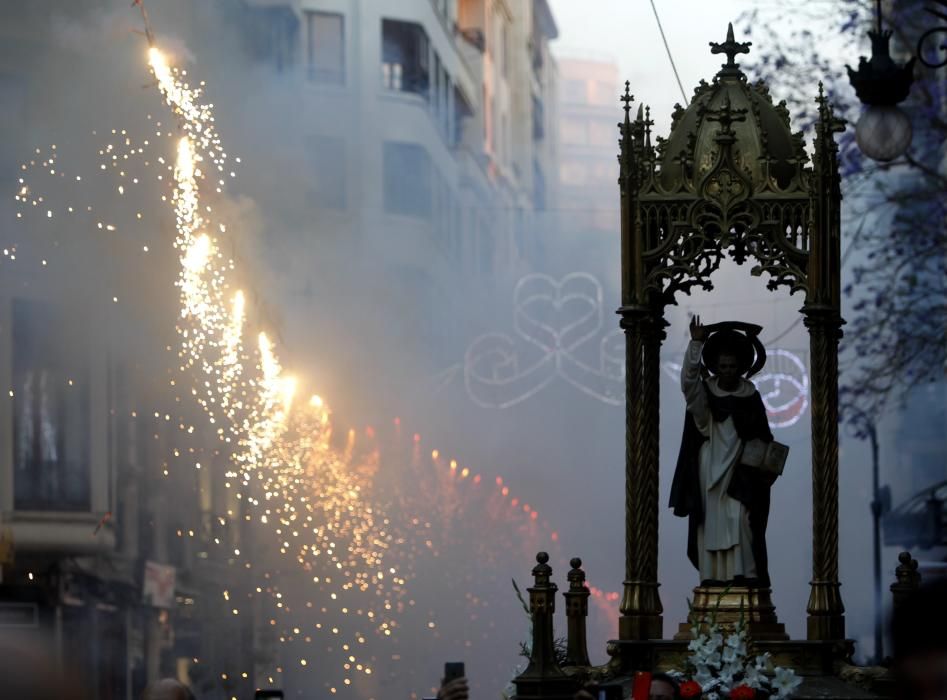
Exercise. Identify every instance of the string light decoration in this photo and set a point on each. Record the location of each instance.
(557, 334)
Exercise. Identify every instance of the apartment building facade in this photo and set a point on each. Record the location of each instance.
(427, 142)
(589, 90)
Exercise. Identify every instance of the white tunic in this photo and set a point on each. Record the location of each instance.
(724, 541)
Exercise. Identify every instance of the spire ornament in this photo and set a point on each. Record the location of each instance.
(726, 114)
(627, 98)
(626, 142)
(731, 47)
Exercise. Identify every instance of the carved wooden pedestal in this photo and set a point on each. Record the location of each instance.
(729, 605)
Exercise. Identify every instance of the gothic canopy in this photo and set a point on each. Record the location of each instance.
(731, 176)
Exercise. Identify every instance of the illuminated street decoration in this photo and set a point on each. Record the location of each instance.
(557, 328)
(557, 335)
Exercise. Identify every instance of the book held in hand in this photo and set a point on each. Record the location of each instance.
(768, 456)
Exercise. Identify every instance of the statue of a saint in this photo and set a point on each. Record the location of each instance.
(725, 500)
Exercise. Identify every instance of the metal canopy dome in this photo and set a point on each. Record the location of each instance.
(765, 148)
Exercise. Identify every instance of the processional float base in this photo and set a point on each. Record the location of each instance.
(728, 605)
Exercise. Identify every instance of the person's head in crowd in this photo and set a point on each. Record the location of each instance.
(919, 637)
(663, 687)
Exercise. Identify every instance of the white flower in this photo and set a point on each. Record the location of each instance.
(732, 654)
(785, 682)
(737, 641)
(713, 660)
(703, 676)
(715, 639)
(726, 675)
(752, 677)
(696, 645)
(763, 662)
(713, 696)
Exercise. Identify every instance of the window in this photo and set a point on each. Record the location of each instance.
(444, 108)
(325, 48)
(574, 91)
(51, 412)
(439, 88)
(327, 172)
(462, 112)
(405, 57)
(271, 35)
(407, 173)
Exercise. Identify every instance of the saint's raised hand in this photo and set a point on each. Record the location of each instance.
(698, 331)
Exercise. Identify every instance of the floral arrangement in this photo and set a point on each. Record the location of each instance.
(720, 667)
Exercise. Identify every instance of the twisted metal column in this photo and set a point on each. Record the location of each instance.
(651, 396)
(826, 619)
(641, 606)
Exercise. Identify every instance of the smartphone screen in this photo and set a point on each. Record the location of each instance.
(453, 670)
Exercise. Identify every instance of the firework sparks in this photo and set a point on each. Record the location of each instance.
(344, 549)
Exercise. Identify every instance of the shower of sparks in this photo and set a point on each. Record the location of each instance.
(210, 336)
(283, 465)
(345, 545)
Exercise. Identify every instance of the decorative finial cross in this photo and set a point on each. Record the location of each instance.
(627, 98)
(827, 116)
(726, 115)
(730, 47)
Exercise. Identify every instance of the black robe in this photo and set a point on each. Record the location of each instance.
(749, 485)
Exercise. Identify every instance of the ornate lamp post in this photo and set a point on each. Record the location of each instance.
(884, 131)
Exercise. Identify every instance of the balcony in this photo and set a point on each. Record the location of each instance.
(57, 532)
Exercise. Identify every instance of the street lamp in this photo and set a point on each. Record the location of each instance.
(884, 131)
